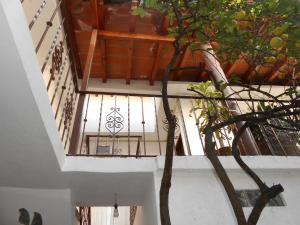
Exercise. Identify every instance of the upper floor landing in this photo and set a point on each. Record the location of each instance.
(108, 43)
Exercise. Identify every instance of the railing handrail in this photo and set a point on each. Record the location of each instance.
(109, 156)
(177, 96)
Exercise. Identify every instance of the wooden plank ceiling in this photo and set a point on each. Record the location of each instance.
(134, 48)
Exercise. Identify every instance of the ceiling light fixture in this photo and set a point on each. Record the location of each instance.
(116, 211)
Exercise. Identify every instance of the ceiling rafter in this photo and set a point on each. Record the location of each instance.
(261, 70)
(182, 61)
(134, 36)
(239, 67)
(282, 71)
(71, 40)
(89, 61)
(101, 18)
(132, 24)
(95, 17)
(103, 59)
(129, 65)
(156, 63)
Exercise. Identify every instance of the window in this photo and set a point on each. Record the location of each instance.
(103, 149)
(248, 198)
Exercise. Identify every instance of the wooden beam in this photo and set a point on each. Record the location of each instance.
(162, 28)
(129, 65)
(282, 71)
(132, 23)
(239, 67)
(89, 61)
(101, 15)
(203, 69)
(84, 85)
(103, 60)
(156, 63)
(71, 42)
(260, 70)
(182, 61)
(95, 17)
(130, 36)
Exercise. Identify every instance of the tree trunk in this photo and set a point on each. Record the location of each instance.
(222, 175)
(167, 174)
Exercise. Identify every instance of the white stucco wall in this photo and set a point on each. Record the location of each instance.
(54, 205)
(197, 196)
(139, 217)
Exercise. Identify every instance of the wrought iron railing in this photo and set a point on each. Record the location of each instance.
(128, 125)
(47, 26)
(131, 125)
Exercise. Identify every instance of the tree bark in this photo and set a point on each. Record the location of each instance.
(222, 175)
(167, 173)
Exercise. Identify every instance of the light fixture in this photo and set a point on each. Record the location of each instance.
(116, 211)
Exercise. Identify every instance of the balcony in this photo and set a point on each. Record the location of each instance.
(108, 123)
(136, 126)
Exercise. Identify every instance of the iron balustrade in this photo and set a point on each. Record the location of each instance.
(135, 122)
(135, 126)
(54, 55)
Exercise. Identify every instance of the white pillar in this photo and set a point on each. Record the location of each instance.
(249, 144)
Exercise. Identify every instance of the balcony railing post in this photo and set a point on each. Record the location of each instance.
(143, 123)
(84, 123)
(48, 25)
(73, 103)
(128, 126)
(99, 124)
(77, 124)
(184, 127)
(157, 128)
(63, 88)
(197, 125)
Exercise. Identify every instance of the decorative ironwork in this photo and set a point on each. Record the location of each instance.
(166, 124)
(53, 46)
(85, 215)
(133, 210)
(118, 151)
(38, 13)
(69, 128)
(114, 121)
(68, 111)
(56, 60)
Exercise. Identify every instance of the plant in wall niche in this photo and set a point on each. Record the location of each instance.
(210, 104)
(24, 218)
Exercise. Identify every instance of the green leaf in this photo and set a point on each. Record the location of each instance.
(192, 46)
(138, 12)
(235, 79)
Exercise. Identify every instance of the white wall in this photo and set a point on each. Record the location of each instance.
(139, 216)
(197, 196)
(104, 216)
(54, 205)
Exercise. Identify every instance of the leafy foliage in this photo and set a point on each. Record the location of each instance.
(204, 108)
(259, 32)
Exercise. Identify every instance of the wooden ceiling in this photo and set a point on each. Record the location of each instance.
(134, 48)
